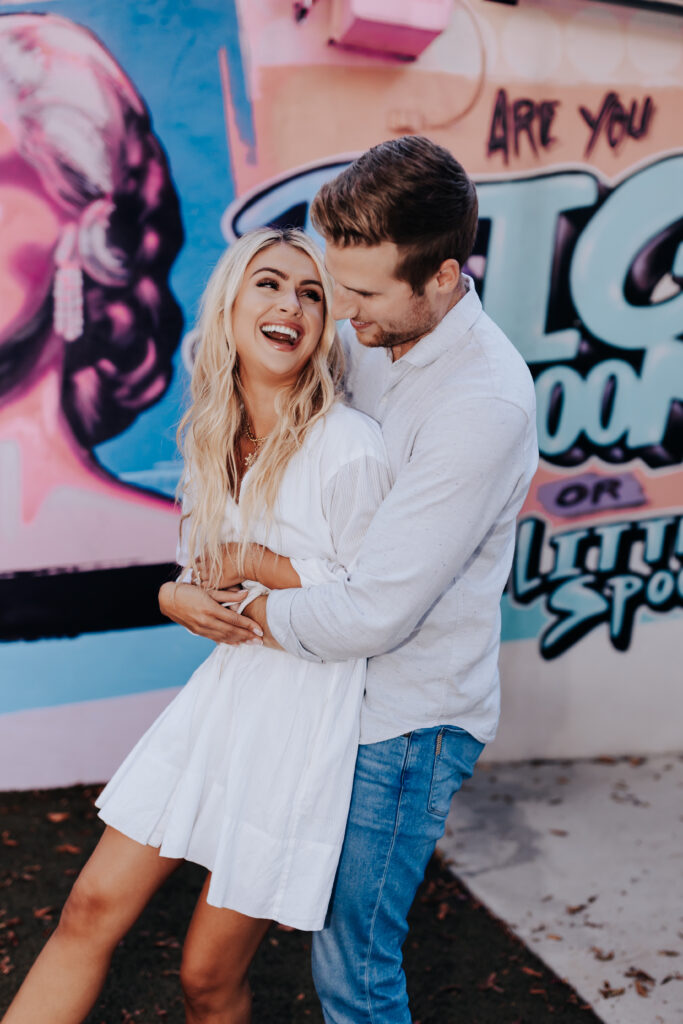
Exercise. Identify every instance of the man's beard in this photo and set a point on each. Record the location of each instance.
(423, 321)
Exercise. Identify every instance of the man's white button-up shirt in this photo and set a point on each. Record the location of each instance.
(422, 597)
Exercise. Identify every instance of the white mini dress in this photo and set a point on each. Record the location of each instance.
(249, 770)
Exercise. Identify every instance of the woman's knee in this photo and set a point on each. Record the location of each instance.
(211, 984)
(88, 910)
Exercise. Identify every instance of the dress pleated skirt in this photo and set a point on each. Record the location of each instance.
(248, 772)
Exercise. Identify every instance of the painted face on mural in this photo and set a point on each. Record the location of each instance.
(278, 314)
(384, 311)
(29, 229)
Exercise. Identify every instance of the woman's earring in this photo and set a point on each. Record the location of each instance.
(68, 288)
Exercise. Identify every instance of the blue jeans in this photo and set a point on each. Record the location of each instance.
(401, 796)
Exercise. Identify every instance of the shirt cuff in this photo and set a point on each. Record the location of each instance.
(279, 619)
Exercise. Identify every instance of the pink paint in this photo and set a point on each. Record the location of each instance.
(106, 368)
(661, 488)
(143, 369)
(121, 317)
(154, 183)
(60, 508)
(151, 243)
(134, 152)
(85, 384)
(29, 229)
(75, 743)
(400, 27)
(147, 291)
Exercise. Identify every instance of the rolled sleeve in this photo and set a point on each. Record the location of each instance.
(278, 615)
(313, 571)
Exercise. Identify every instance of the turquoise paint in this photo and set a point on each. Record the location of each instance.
(97, 665)
(522, 623)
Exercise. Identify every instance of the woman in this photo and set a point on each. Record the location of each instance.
(249, 770)
(88, 324)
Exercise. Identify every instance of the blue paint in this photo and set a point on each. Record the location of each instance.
(97, 665)
(181, 86)
(522, 623)
(528, 623)
(170, 53)
(93, 666)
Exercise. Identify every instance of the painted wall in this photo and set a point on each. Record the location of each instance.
(566, 114)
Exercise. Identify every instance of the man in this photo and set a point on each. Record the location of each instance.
(456, 405)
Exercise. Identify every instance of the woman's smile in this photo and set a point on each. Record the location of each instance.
(284, 335)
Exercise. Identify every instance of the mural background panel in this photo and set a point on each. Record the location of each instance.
(567, 116)
(114, 172)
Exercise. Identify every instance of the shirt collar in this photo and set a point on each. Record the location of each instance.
(448, 332)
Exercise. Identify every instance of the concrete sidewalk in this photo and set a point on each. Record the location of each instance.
(584, 861)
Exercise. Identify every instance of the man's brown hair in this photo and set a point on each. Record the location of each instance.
(408, 191)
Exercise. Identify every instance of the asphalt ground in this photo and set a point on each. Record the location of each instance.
(463, 965)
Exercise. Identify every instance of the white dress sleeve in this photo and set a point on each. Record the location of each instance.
(350, 499)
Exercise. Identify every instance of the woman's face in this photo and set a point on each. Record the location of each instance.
(29, 229)
(278, 315)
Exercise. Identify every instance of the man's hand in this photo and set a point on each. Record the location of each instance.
(256, 610)
(202, 612)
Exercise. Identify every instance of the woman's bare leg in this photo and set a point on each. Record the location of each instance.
(108, 896)
(219, 947)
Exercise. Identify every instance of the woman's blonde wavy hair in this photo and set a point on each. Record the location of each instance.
(210, 431)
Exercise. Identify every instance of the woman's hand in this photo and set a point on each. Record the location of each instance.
(230, 575)
(202, 612)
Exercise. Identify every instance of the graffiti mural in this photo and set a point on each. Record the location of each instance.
(601, 336)
(118, 193)
(566, 118)
(608, 371)
(97, 277)
(91, 227)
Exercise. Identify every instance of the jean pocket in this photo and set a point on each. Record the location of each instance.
(455, 755)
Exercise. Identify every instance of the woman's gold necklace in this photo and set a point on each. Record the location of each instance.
(258, 443)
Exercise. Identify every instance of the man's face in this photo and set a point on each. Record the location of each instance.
(384, 312)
